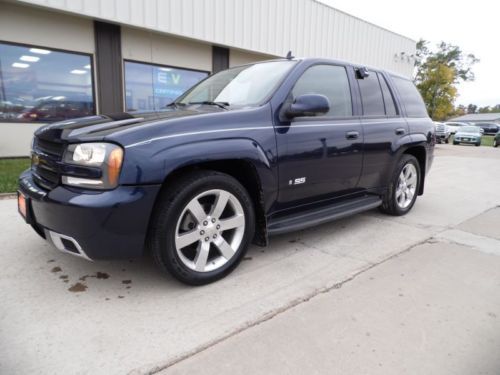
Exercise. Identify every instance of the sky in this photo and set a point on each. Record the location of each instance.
(473, 26)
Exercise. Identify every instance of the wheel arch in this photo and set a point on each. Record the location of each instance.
(242, 159)
(420, 153)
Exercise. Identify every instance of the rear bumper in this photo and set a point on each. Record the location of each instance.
(94, 225)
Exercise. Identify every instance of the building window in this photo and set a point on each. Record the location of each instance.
(43, 85)
(152, 87)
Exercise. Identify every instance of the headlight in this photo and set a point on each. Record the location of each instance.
(107, 157)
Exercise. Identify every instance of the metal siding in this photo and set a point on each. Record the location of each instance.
(307, 27)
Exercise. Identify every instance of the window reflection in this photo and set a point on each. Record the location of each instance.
(43, 85)
(152, 87)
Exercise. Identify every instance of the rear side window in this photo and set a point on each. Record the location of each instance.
(390, 107)
(330, 81)
(371, 95)
(410, 97)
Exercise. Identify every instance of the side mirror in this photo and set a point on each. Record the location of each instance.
(308, 105)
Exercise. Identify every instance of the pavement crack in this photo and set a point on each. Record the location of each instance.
(273, 313)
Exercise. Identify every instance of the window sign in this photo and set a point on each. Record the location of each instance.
(152, 87)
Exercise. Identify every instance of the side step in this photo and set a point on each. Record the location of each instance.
(322, 215)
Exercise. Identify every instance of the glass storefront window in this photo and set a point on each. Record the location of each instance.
(152, 87)
(43, 85)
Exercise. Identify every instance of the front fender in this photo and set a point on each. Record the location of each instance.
(142, 167)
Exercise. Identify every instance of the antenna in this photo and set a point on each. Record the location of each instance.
(289, 55)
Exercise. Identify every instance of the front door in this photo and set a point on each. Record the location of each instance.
(320, 156)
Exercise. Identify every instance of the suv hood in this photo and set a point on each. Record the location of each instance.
(100, 126)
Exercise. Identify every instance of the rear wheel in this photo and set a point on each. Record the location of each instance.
(403, 189)
(202, 227)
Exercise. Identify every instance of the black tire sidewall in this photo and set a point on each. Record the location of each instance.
(390, 205)
(164, 248)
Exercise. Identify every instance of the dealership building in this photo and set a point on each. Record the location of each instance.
(63, 59)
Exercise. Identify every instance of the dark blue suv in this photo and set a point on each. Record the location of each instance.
(249, 152)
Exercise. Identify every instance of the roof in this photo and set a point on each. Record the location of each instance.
(271, 27)
(478, 117)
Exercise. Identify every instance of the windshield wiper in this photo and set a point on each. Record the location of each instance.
(175, 104)
(222, 105)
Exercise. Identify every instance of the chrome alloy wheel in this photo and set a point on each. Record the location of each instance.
(407, 186)
(209, 230)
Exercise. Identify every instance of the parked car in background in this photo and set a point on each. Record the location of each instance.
(468, 134)
(442, 132)
(496, 140)
(58, 110)
(454, 126)
(489, 128)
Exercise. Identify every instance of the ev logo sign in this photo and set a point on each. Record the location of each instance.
(168, 77)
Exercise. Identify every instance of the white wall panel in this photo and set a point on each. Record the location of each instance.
(273, 27)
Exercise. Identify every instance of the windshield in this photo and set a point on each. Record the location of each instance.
(469, 129)
(242, 86)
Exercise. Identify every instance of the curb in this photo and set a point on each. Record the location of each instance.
(8, 196)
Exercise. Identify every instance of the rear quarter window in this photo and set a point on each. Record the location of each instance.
(411, 98)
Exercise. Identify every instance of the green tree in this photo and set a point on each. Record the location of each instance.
(437, 74)
(486, 109)
(471, 108)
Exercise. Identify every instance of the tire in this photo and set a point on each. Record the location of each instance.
(392, 203)
(495, 143)
(477, 144)
(208, 253)
(447, 140)
(455, 143)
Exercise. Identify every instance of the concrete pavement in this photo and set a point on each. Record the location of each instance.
(60, 314)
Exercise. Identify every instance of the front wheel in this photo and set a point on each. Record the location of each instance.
(495, 143)
(478, 144)
(447, 140)
(202, 227)
(403, 189)
(455, 143)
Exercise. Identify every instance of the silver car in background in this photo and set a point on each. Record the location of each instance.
(443, 132)
(468, 134)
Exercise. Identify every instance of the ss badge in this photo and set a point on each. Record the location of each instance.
(297, 181)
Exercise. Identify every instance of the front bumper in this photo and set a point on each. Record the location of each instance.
(92, 224)
(467, 140)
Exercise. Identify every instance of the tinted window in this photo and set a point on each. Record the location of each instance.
(330, 81)
(371, 95)
(151, 87)
(410, 97)
(43, 85)
(390, 107)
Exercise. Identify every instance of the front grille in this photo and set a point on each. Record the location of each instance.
(45, 163)
(55, 149)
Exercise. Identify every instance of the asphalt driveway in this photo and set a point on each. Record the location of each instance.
(60, 314)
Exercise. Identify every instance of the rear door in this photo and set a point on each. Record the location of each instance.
(383, 128)
(320, 156)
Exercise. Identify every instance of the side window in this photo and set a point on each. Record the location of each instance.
(410, 97)
(390, 107)
(371, 96)
(330, 81)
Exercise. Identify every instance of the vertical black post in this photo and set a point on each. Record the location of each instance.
(220, 58)
(108, 52)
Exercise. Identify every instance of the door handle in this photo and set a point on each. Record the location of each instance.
(352, 135)
(399, 131)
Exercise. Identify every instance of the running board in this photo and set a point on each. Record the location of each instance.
(322, 215)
